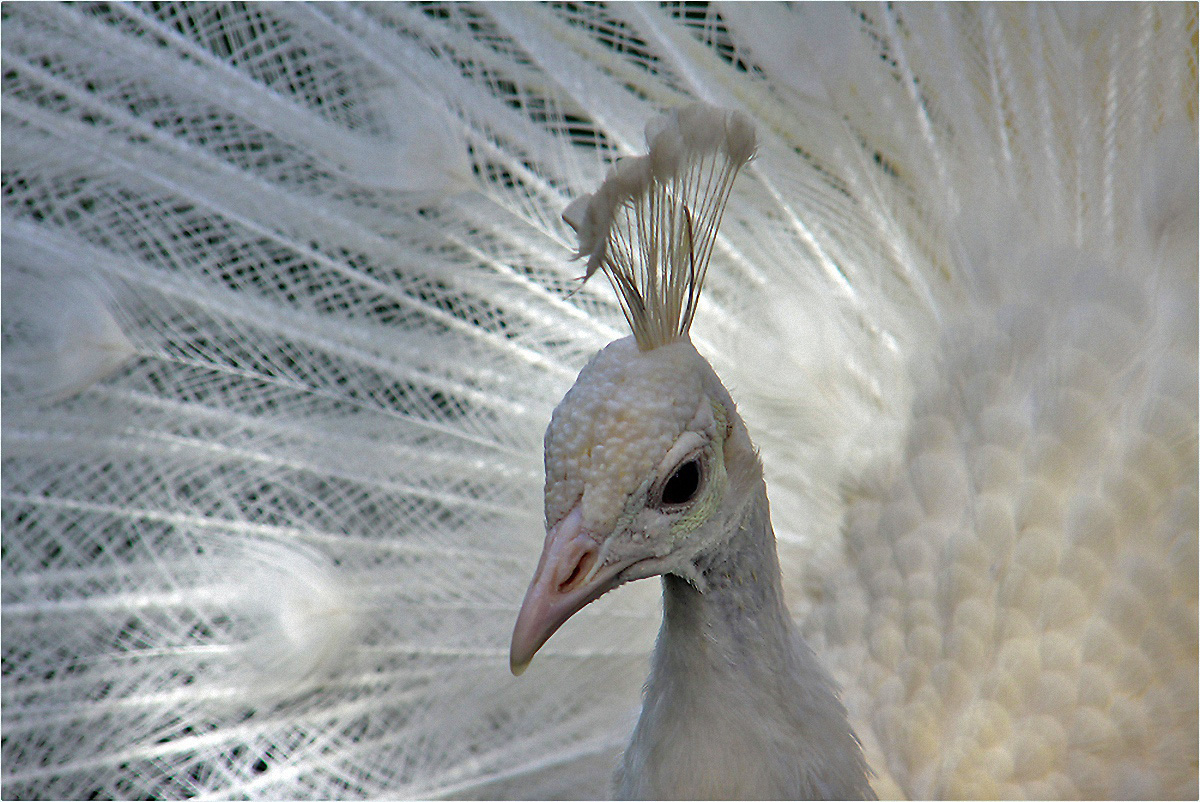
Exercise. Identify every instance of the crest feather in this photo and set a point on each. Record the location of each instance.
(652, 223)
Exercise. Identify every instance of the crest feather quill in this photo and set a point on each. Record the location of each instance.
(652, 223)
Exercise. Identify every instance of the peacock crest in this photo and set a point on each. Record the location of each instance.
(282, 324)
(651, 225)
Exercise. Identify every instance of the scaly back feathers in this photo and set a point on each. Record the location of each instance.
(652, 223)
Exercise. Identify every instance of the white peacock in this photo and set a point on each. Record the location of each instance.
(288, 304)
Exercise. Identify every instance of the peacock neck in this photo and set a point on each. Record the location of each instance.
(738, 624)
(736, 705)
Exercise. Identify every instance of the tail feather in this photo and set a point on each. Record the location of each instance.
(289, 301)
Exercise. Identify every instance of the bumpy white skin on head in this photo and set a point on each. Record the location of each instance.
(621, 417)
(736, 705)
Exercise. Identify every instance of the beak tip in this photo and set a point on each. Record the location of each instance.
(523, 647)
(570, 554)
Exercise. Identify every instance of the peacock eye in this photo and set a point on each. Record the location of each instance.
(683, 484)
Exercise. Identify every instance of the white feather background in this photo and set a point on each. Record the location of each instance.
(288, 302)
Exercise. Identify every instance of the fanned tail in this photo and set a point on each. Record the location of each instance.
(288, 302)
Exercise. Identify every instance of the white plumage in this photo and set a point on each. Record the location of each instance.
(650, 472)
(288, 303)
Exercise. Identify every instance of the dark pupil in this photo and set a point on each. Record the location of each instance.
(683, 484)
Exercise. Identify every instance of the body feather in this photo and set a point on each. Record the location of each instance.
(267, 523)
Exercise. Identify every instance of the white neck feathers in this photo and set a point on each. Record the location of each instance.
(737, 706)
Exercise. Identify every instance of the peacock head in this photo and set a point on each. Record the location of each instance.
(638, 453)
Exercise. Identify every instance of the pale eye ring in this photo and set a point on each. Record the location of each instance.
(683, 484)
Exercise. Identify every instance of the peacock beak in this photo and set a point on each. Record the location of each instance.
(566, 580)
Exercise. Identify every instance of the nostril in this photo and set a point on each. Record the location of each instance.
(581, 569)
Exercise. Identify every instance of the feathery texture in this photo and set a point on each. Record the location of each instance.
(653, 222)
(288, 304)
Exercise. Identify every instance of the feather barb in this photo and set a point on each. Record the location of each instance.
(651, 225)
